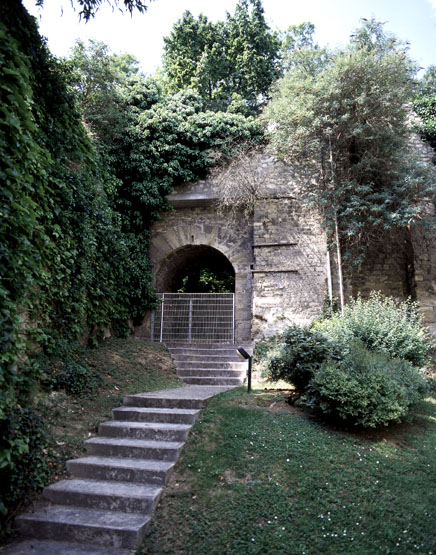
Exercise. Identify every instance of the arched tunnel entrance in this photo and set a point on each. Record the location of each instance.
(196, 269)
(196, 285)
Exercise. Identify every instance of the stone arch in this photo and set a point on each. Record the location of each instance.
(191, 232)
(168, 275)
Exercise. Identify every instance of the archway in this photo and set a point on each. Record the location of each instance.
(196, 285)
(195, 269)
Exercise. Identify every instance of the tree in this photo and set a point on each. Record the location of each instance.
(225, 62)
(88, 8)
(253, 50)
(194, 56)
(152, 142)
(425, 106)
(345, 122)
(98, 77)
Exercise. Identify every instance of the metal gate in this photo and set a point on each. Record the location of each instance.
(194, 318)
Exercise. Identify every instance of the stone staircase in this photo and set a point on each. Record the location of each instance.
(116, 487)
(204, 364)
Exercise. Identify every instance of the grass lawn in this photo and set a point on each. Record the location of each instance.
(258, 476)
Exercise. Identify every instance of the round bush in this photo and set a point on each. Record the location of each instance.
(76, 379)
(382, 324)
(302, 353)
(366, 388)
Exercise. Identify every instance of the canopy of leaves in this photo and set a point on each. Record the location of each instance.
(153, 142)
(344, 121)
(88, 8)
(231, 64)
(425, 106)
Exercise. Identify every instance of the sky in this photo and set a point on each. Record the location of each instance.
(142, 34)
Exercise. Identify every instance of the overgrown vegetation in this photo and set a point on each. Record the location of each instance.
(89, 148)
(382, 324)
(258, 476)
(231, 63)
(77, 202)
(362, 367)
(67, 411)
(425, 106)
(343, 118)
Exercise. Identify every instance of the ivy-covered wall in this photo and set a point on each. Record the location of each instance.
(75, 212)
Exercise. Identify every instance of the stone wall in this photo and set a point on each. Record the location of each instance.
(203, 226)
(424, 247)
(279, 255)
(388, 267)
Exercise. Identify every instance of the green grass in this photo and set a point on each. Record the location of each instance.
(255, 481)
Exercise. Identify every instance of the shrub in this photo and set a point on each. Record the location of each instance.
(76, 379)
(23, 461)
(302, 353)
(366, 388)
(382, 324)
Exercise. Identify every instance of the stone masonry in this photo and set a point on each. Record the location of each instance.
(279, 254)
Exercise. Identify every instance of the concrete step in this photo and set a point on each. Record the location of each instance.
(154, 402)
(141, 471)
(209, 354)
(144, 430)
(77, 524)
(212, 365)
(211, 346)
(102, 495)
(142, 414)
(199, 380)
(134, 448)
(180, 357)
(207, 373)
(207, 347)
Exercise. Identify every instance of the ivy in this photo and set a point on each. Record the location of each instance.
(67, 268)
(76, 209)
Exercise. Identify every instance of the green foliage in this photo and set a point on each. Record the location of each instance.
(382, 324)
(207, 280)
(365, 388)
(88, 8)
(302, 353)
(424, 105)
(22, 173)
(97, 76)
(358, 367)
(230, 64)
(67, 268)
(152, 142)
(23, 458)
(344, 118)
(75, 379)
(295, 39)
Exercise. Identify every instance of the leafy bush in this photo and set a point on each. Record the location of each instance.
(302, 353)
(76, 379)
(382, 324)
(366, 388)
(23, 457)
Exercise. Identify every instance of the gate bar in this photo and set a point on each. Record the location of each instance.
(162, 316)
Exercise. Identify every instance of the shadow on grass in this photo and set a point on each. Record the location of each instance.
(257, 477)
